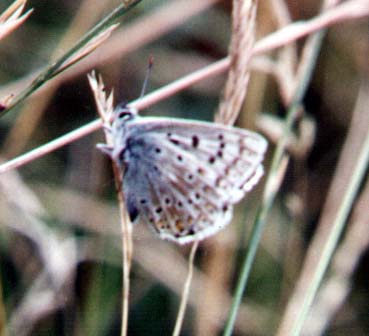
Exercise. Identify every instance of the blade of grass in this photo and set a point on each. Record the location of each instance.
(53, 69)
(339, 220)
(104, 103)
(11, 18)
(31, 113)
(271, 186)
(144, 102)
(335, 290)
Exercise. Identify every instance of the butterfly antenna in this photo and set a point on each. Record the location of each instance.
(147, 76)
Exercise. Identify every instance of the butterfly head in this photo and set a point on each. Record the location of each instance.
(123, 114)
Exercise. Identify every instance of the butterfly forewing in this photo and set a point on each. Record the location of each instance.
(182, 178)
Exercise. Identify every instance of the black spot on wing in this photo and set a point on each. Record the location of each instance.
(195, 141)
(132, 209)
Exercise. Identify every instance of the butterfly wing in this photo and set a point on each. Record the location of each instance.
(183, 178)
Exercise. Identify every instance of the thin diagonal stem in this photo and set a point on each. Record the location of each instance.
(270, 194)
(332, 222)
(127, 248)
(52, 70)
(186, 291)
(329, 248)
(146, 101)
(217, 67)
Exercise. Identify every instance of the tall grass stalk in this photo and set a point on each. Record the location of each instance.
(271, 186)
(330, 245)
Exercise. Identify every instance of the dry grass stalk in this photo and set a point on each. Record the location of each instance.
(186, 290)
(31, 114)
(299, 144)
(285, 64)
(56, 255)
(143, 102)
(272, 41)
(240, 51)
(241, 48)
(105, 98)
(359, 129)
(349, 10)
(141, 32)
(119, 44)
(11, 19)
(219, 271)
(104, 105)
(103, 102)
(278, 178)
(89, 47)
(336, 289)
(251, 316)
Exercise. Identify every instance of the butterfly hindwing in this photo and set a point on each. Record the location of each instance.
(182, 178)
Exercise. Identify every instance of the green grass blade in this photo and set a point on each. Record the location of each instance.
(52, 70)
(270, 194)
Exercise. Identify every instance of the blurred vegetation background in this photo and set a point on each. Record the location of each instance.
(60, 244)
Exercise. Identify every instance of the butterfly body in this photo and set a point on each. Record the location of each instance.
(183, 177)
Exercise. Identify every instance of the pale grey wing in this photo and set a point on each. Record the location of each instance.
(158, 191)
(193, 173)
(227, 158)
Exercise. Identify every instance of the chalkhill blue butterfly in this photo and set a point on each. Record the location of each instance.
(182, 177)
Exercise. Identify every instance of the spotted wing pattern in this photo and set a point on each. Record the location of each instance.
(182, 178)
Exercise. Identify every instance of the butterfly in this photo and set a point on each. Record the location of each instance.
(182, 177)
